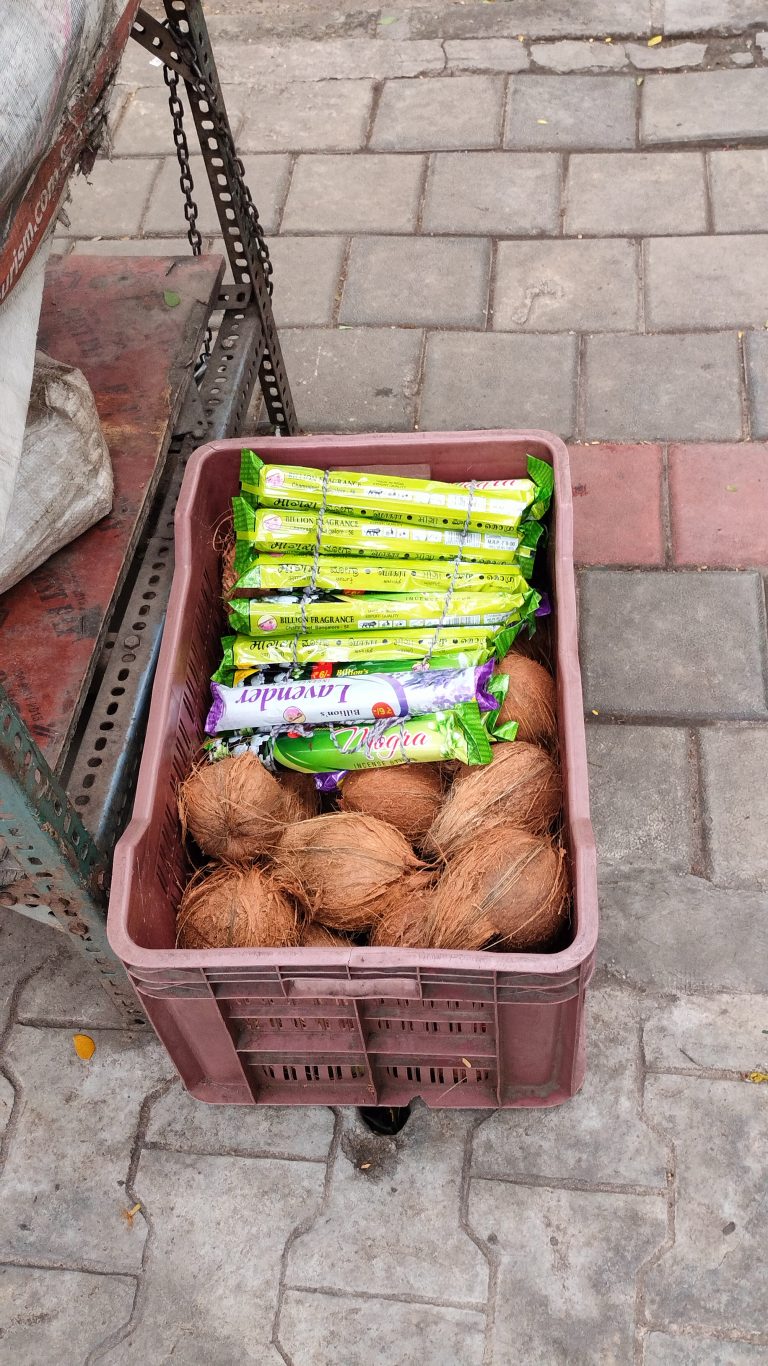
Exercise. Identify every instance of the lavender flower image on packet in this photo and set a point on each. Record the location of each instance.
(342, 701)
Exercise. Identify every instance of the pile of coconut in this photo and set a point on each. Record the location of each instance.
(442, 856)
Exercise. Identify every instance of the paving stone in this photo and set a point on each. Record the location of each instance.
(649, 647)
(7, 1096)
(356, 380)
(325, 116)
(682, 934)
(571, 111)
(213, 1267)
(354, 194)
(69, 1207)
(570, 56)
(642, 797)
(68, 992)
(563, 286)
(146, 128)
(180, 1122)
(617, 505)
(421, 281)
(501, 193)
(332, 59)
(668, 57)
(486, 54)
(568, 1263)
(762, 42)
(736, 804)
(112, 199)
(135, 246)
(742, 59)
(395, 1223)
(645, 194)
(756, 354)
(662, 1349)
(536, 20)
(715, 1275)
(681, 387)
(599, 1136)
(316, 1329)
(267, 178)
(722, 1032)
(739, 185)
(719, 505)
(463, 111)
(60, 1316)
(488, 380)
(307, 273)
(707, 281)
(25, 945)
(701, 106)
(698, 16)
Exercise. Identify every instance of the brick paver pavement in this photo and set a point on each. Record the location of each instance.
(482, 214)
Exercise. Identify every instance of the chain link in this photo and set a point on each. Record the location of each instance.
(187, 184)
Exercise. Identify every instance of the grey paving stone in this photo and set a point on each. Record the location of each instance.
(178, 1121)
(354, 194)
(395, 1223)
(648, 647)
(561, 286)
(69, 1207)
(68, 992)
(742, 59)
(698, 16)
(642, 194)
(60, 1316)
(715, 1276)
(219, 1228)
(682, 934)
(707, 281)
(684, 387)
(701, 106)
(306, 278)
(664, 1349)
(24, 946)
(739, 184)
(598, 1137)
(641, 792)
(302, 59)
(316, 1329)
(463, 111)
(421, 281)
(725, 1033)
(502, 193)
(568, 1263)
(267, 178)
(146, 127)
(486, 54)
(756, 352)
(569, 56)
(112, 198)
(324, 116)
(356, 380)
(668, 57)
(734, 762)
(487, 380)
(536, 20)
(135, 246)
(571, 111)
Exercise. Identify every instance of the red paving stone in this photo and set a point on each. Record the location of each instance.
(617, 504)
(719, 505)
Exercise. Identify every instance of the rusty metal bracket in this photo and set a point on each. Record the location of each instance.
(159, 40)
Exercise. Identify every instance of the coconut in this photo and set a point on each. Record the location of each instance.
(233, 808)
(302, 798)
(539, 645)
(235, 908)
(521, 786)
(531, 699)
(408, 796)
(403, 923)
(342, 866)
(317, 936)
(509, 888)
(228, 574)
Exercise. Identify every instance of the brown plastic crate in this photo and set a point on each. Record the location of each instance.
(362, 1026)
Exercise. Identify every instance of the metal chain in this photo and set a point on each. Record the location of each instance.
(186, 182)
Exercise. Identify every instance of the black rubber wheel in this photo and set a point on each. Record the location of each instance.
(384, 1120)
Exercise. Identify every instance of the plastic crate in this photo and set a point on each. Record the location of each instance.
(335, 1026)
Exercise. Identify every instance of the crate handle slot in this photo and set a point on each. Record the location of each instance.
(398, 987)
